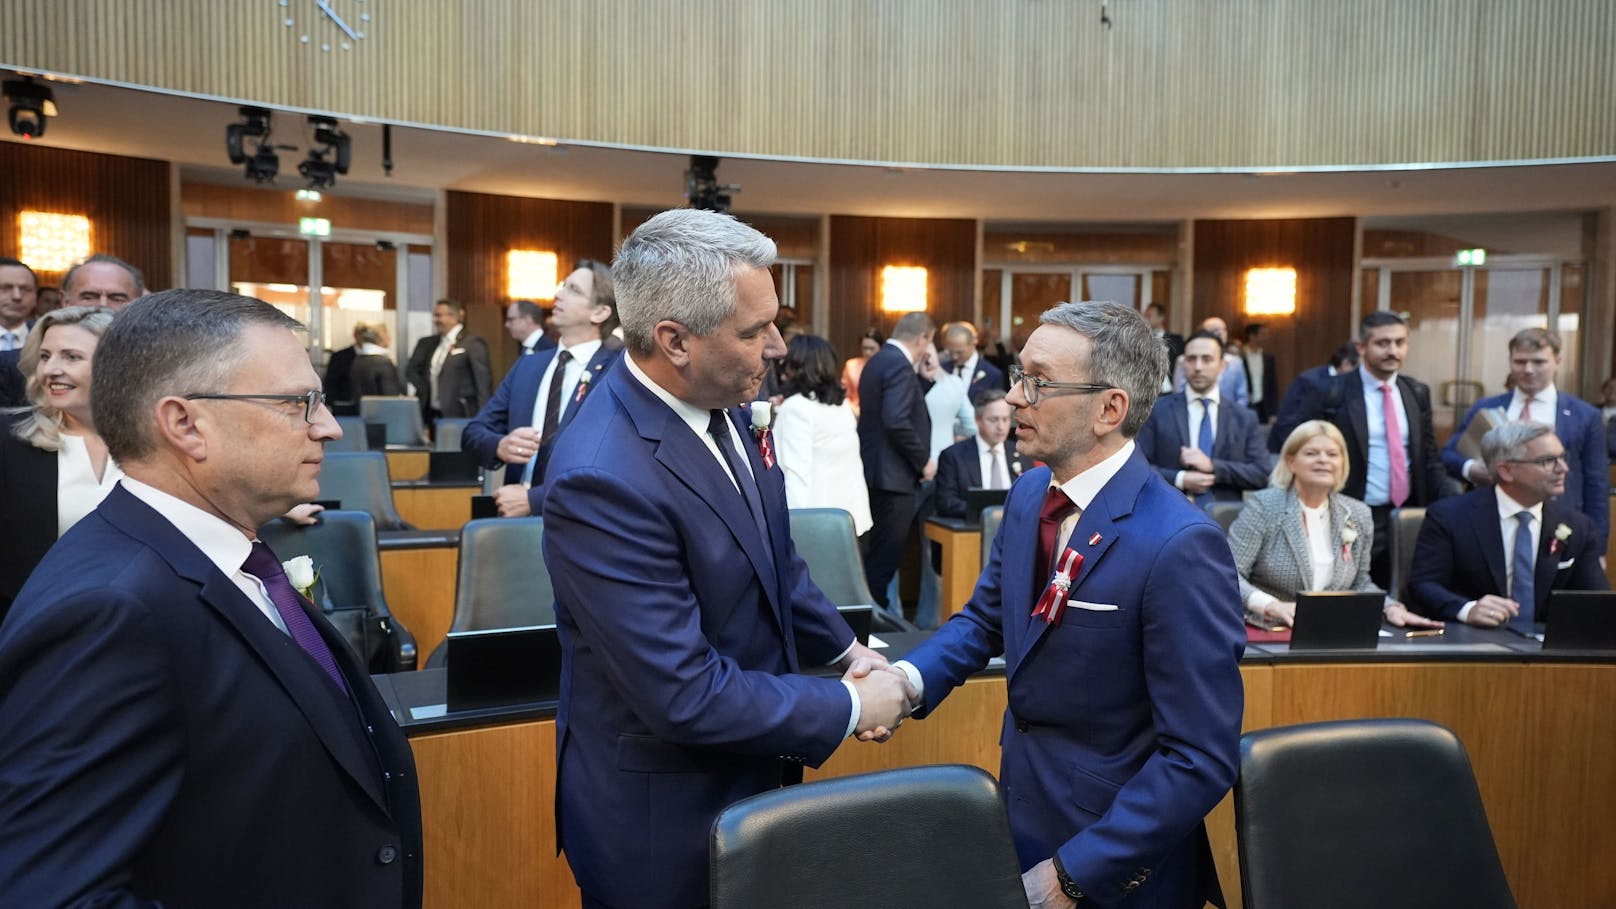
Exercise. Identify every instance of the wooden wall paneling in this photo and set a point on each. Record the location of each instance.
(1362, 82)
(126, 200)
(280, 206)
(481, 228)
(1048, 245)
(860, 247)
(1320, 250)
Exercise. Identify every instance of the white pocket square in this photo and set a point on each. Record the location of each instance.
(1566, 564)
(1092, 607)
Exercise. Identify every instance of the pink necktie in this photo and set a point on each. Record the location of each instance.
(1526, 409)
(1394, 448)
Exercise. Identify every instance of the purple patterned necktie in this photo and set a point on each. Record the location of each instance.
(263, 565)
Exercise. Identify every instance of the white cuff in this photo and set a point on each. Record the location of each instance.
(1464, 611)
(914, 678)
(858, 706)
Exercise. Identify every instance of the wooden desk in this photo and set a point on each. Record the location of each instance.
(962, 563)
(435, 507)
(408, 464)
(420, 589)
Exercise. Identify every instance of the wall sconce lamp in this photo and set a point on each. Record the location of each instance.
(53, 242)
(903, 289)
(1270, 291)
(530, 274)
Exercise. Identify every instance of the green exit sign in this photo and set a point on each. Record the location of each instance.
(314, 227)
(1470, 257)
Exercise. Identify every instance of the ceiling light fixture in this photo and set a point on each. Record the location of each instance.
(31, 103)
(321, 171)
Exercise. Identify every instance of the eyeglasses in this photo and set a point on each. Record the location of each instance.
(1546, 462)
(312, 400)
(1031, 388)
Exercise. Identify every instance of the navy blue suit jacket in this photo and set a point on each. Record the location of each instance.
(1460, 556)
(986, 376)
(681, 630)
(1587, 486)
(1123, 727)
(959, 467)
(1289, 416)
(1239, 461)
(894, 426)
(512, 407)
(162, 741)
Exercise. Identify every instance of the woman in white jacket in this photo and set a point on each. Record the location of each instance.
(816, 434)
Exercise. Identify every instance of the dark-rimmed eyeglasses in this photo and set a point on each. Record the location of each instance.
(1032, 388)
(312, 400)
(1546, 462)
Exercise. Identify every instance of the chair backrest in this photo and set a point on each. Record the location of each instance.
(446, 432)
(825, 539)
(401, 414)
(1224, 513)
(502, 581)
(1379, 812)
(1405, 532)
(360, 481)
(992, 517)
(353, 435)
(774, 849)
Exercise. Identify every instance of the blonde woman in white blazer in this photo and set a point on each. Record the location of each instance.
(816, 434)
(1301, 534)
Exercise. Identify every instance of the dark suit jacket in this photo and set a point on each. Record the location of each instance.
(1175, 345)
(339, 383)
(959, 467)
(162, 741)
(894, 426)
(512, 406)
(1587, 486)
(681, 630)
(27, 510)
(1341, 401)
(13, 384)
(374, 374)
(1123, 726)
(1238, 460)
(1460, 556)
(1290, 414)
(1269, 405)
(464, 383)
(986, 376)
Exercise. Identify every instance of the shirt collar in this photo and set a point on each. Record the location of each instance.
(906, 354)
(1508, 507)
(1082, 488)
(697, 418)
(533, 339)
(1193, 395)
(372, 350)
(222, 542)
(1548, 397)
(452, 336)
(581, 352)
(1369, 381)
(983, 448)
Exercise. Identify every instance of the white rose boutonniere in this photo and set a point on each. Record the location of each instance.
(762, 416)
(1561, 534)
(302, 574)
(1349, 534)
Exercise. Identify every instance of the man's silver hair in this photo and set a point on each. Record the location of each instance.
(1508, 441)
(1122, 353)
(681, 265)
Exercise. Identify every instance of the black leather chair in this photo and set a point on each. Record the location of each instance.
(1224, 513)
(501, 581)
(825, 539)
(360, 481)
(353, 436)
(1381, 812)
(992, 517)
(446, 432)
(401, 415)
(791, 848)
(1405, 526)
(343, 547)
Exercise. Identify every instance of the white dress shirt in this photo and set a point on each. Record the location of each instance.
(1321, 557)
(984, 456)
(440, 354)
(698, 419)
(1378, 477)
(581, 354)
(1545, 407)
(1254, 372)
(77, 489)
(224, 545)
(14, 338)
(1198, 413)
(1508, 508)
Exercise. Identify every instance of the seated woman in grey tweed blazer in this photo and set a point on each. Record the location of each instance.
(1302, 534)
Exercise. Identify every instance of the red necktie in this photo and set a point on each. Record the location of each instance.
(1395, 456)
(1526, 409)
(1056, 507)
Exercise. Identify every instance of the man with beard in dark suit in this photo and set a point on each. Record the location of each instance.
(450, 370)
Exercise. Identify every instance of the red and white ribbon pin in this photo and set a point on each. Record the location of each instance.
(1052, 605)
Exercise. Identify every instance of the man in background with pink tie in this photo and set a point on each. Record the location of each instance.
(1385, 417)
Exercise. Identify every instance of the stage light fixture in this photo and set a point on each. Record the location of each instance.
(702, 189)
(31, 103)
(256, 123)
(264, 164)
(330, 157)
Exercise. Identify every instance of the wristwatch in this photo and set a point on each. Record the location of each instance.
(1067, 885)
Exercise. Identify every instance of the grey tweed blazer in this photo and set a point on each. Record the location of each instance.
(1270, 545)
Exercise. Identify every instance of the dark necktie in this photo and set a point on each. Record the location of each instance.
(1203, 439)
(718, 427)
(1056, 507)
(262, 564)
(552, 400)
(1522, 586)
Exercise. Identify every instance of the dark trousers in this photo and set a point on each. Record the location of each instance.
(1380, 549)
(892, 514)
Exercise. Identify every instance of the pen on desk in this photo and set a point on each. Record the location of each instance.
(1430, 633)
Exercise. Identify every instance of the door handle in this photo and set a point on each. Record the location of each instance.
(1469, 391)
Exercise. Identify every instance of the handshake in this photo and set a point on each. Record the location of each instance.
(885, 694)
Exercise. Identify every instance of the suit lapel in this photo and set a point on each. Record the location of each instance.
(332, 720)
(771, 489)
(1490, 541)
(1411, 410)
(1295, 533)
(1180, 403)
(1342, 572)
(1221, 443)
(586, 380)
(1357, 416)
(1548, 561)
